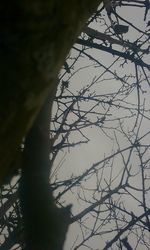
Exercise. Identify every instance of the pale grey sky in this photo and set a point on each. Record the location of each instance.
(80, 158)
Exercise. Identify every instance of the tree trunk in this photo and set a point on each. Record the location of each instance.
(45, 224)
(35, 37)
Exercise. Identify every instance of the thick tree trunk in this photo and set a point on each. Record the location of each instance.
(35, 37)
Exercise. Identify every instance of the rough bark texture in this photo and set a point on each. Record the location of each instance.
(35, 37)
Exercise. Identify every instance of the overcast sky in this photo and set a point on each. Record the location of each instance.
(101, 142)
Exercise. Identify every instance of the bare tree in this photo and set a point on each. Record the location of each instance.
(33, 47)
(102, 103)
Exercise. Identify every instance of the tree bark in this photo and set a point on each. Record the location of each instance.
(35, 37)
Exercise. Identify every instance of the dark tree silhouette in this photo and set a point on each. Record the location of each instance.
(100, 104)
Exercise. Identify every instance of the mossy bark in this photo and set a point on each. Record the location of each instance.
(35, 37)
